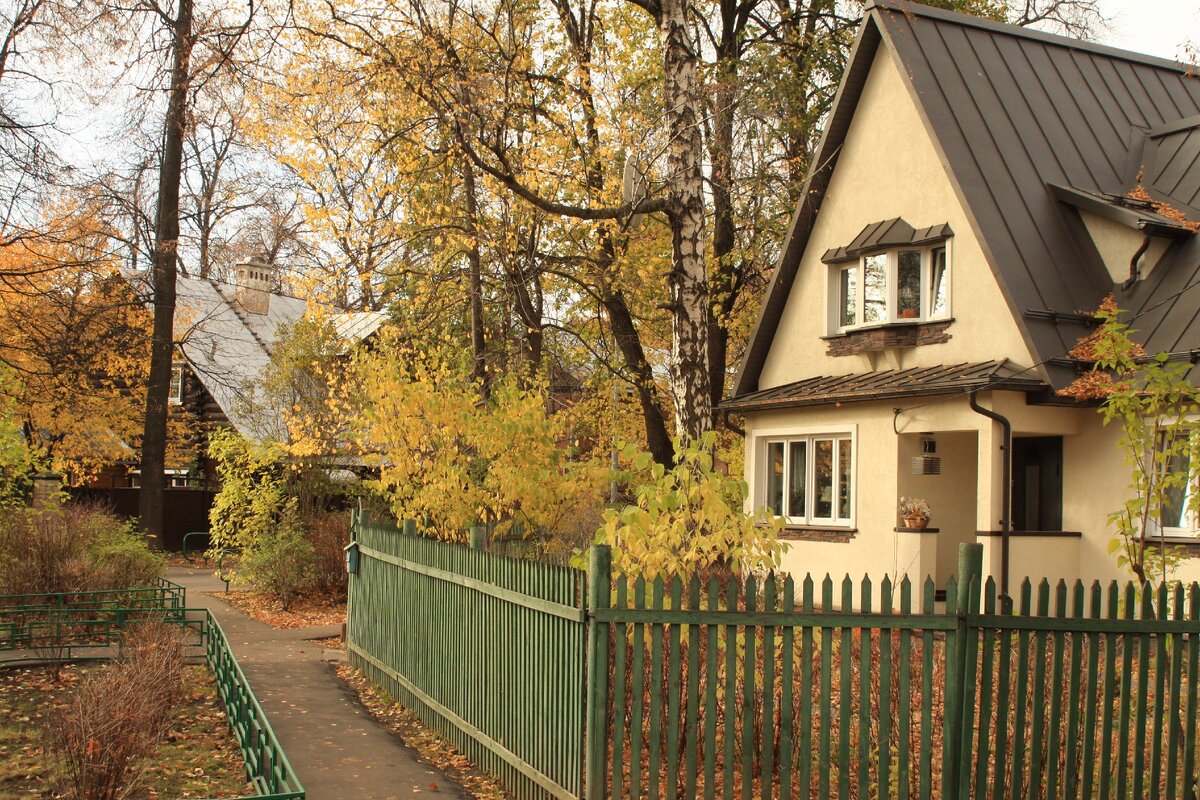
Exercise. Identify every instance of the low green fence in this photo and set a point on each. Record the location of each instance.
(764, 687)
(88, 625)
(486, 649)
(72, 625)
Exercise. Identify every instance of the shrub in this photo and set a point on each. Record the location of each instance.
(689, 519)
(280, 562)
(69, 548)
(328, 534)
(117, 716)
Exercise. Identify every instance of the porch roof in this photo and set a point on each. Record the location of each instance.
(893, 383)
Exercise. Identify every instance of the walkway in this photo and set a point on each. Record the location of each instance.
(337, 750)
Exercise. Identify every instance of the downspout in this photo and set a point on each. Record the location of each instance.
(729, 424)
(1006, 482)
(1133, 262)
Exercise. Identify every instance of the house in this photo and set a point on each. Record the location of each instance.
(227, 333)
(980, 188)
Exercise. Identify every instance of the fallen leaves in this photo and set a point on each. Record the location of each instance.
(406, 726)
(305, 611)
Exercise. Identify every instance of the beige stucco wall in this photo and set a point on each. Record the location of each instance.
(888, 168)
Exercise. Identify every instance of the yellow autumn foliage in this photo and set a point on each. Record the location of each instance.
(450, 457)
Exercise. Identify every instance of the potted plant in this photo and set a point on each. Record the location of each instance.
(914, 511)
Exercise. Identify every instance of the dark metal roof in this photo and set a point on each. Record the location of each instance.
(889, 384)
(1013, 111)
(883, 235)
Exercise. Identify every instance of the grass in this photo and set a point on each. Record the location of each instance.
(199, 757)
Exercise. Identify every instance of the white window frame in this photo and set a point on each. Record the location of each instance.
(766, 437)
(891, 315)
(175, 395)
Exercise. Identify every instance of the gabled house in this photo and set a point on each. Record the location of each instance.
(980, 188)
(227, 333)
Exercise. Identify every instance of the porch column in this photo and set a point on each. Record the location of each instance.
(990, 506)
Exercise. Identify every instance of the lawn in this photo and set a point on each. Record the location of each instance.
(198, 759)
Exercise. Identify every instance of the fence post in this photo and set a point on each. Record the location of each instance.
(410, 527)
(596, 738)
(478, 537)
(962, 706)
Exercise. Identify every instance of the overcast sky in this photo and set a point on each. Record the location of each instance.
(1157, 27)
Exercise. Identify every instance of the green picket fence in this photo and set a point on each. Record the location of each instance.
(765, 687)
(487, 649)
(81, 626)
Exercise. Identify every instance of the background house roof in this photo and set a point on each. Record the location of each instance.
(1014, 111)
(229, 348)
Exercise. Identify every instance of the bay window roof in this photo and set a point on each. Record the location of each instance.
(886, 235)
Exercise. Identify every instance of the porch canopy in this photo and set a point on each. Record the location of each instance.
(887, 384)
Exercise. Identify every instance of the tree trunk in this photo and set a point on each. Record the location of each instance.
(727, 281)
(630, 344)
(166, 243)
(475, 278)
(689, 365)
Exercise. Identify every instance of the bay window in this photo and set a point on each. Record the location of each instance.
(898, 285)
(809, 479)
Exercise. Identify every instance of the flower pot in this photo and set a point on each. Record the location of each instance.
(916, 522)
(909, 313)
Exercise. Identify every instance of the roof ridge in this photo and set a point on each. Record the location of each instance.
(971, 21)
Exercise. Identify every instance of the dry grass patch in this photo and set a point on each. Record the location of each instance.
(197, 758)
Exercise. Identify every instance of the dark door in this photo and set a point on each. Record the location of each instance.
(1037, 483)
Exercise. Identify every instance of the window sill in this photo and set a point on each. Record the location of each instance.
(902, 333)
(879, 326)
(817, 533)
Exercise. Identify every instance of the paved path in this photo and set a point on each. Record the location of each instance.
(337, 750)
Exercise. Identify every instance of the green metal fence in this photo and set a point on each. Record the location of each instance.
(488, 650)
(74, 625)
(88, 625)
(764, 687)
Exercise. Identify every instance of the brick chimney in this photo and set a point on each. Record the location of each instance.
(255, 280)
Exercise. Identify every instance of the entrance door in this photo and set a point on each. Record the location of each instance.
(1037, 463)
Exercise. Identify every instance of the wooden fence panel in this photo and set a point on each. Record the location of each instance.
(488, 650)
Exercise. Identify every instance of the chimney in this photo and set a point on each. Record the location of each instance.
(255, 280)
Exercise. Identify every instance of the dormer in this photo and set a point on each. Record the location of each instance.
(255, 280)
(1128, 231)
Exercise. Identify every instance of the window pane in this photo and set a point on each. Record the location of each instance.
(875, 289)
(908, 285)
(775, 478)
(938, 299)
(844, 479)
(823, 486)
(1174, 513)
(797, 471)
(848, 297)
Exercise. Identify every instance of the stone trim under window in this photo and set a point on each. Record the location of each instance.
(883, 337)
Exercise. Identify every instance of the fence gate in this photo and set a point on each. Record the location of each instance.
(488, 650)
